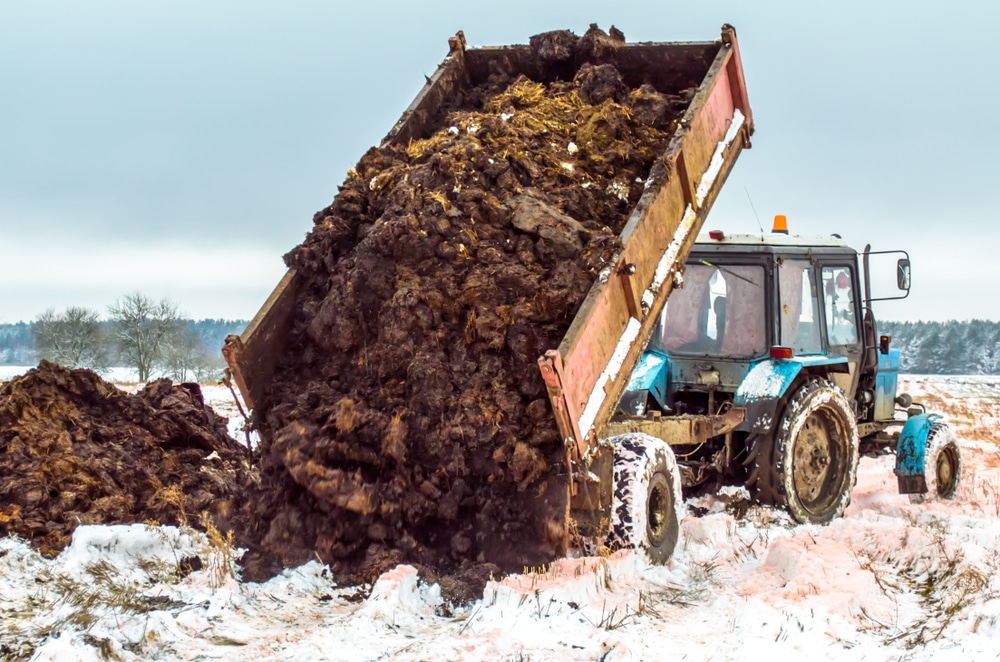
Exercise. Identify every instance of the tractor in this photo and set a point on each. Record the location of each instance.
(772, 340)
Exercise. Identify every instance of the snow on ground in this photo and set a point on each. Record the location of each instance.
(224, 402)
(889, 581)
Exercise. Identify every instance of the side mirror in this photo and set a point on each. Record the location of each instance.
(903, 274)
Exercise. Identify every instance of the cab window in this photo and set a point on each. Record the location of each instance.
(799, 307)
(838, 306)
(719, 311)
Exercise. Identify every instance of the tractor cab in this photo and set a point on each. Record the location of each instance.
(747, 300)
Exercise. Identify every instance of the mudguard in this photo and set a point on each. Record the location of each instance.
(767, 382)
(650, 376)
(911, 451)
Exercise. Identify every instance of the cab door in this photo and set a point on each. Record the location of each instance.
(840, 303)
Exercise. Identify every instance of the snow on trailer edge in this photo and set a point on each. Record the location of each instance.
(631, 332)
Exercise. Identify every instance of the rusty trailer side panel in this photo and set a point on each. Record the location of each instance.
(252, 355)
(587, 374)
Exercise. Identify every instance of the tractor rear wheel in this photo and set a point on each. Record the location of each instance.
(647, 506)
(809, 466)
(942, 465)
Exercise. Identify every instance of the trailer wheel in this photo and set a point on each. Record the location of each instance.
(812, 465)
(647, 507)
(942, 465)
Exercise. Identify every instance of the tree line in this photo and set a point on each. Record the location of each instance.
(946, 348)
(150, 337)
(140, 333)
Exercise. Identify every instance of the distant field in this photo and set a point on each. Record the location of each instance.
(970, 402)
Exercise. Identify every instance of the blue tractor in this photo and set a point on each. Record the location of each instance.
(770, 351)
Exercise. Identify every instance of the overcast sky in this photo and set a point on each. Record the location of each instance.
(181, 148)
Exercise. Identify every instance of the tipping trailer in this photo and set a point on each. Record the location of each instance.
(615, 488)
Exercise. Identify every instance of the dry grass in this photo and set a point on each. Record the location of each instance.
(100, 594)
(648, 603)
(346, 415)
(222, 554)
(973, 417)
(701, 580)
(946, 590)
(943, 581)
(393, 444)
(171, 496)
(616, 617)
(105, 594)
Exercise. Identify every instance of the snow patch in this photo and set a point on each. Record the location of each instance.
(715, 165)
(131, 548)
(764, 381)
(619, 190)
(399, 593)
(597, 396)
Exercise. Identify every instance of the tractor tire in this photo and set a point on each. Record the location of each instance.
(942, 465)
(647, 507)
(809, 465)
(759, 481)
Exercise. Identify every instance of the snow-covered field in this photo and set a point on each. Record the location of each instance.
(889, 581)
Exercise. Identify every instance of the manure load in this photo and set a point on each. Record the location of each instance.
(531, 198)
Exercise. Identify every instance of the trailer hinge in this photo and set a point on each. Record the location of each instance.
(551, 368)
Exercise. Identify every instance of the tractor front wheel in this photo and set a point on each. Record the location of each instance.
(942, 465)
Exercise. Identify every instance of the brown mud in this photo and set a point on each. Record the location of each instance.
(75, 450)
(408, 421)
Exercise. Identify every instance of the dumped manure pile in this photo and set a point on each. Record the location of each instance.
(407, 420)
(77, 450)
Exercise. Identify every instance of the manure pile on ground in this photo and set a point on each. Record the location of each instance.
(77, 450)
(407, 420)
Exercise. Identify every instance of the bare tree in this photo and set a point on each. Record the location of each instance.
(143, 330)
(185, 357)
(209, 367)
(74, 338)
